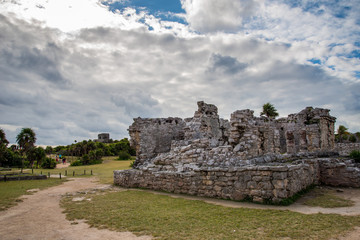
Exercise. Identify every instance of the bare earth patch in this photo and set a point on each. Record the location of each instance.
(39, 216)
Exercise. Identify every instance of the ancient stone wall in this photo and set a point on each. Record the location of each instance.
(256, 157)
(345, 149)
(151, 136)
(340, 172)
(259, 183)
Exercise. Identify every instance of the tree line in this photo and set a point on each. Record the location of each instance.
(26, 154)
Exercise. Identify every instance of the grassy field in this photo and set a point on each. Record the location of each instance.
(102, 171)
(12, 190)
(171, 218)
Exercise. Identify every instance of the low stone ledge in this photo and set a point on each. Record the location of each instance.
(260, 183)
(22, 177)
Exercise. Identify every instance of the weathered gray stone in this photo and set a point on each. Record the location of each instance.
(246, 156)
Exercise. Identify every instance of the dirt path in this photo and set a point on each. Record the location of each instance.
(39, 216)
(63, 165)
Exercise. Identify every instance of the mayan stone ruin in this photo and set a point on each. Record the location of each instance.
(248, 157)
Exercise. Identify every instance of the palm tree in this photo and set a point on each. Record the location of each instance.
(3, 146)
(269, 110)
(3, 140)
(26, 139)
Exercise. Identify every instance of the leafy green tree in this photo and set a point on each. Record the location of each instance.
(352, 138)
(36, 154)
(269, 110)
(342, 133)
(3, 147)
(48, 150)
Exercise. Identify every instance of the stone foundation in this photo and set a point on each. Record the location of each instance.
(260, 183)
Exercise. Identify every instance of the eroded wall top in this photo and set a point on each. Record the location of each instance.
(207, 138)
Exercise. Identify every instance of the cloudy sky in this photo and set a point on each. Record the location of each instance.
(73, 69)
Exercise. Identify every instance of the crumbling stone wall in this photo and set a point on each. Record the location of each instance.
(345, 149)
(340, 172)
(247, 156)
(151, 136)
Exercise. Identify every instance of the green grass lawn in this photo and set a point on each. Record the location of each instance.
(102, 171)
(164, 217)
(11, 191)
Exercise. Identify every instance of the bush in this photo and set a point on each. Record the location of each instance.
(48, 163)
(94, 157)
(76, 163)
(132, 164)
(124, 155)
(352, 138)
(355, 155)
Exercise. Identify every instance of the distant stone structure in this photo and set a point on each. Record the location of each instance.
(247, 157)
(103, 137)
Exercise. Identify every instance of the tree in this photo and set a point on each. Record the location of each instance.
(269, 110)
(342, 132)
(26, 139)
(36, 154)
(48, 150)
(3, 147)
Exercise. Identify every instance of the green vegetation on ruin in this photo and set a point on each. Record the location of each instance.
(164, 217)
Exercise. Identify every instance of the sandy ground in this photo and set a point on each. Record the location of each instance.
(61, 165)
(39, 216)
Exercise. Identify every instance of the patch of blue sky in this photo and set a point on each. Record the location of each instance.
(332, 45)
(354, 54)
(337, 8)
(357, 74)
(315, 61)
(166, 10)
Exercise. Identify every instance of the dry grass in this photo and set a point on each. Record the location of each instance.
(327, 198)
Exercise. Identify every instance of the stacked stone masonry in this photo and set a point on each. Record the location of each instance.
(247, 157)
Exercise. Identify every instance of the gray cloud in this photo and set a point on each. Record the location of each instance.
(225, 64)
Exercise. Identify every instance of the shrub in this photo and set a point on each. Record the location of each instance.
(352, 138)
(355, 155)
(132, 164)
(76, 163)
(124, 155)
(48, 163)
(94, 157)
